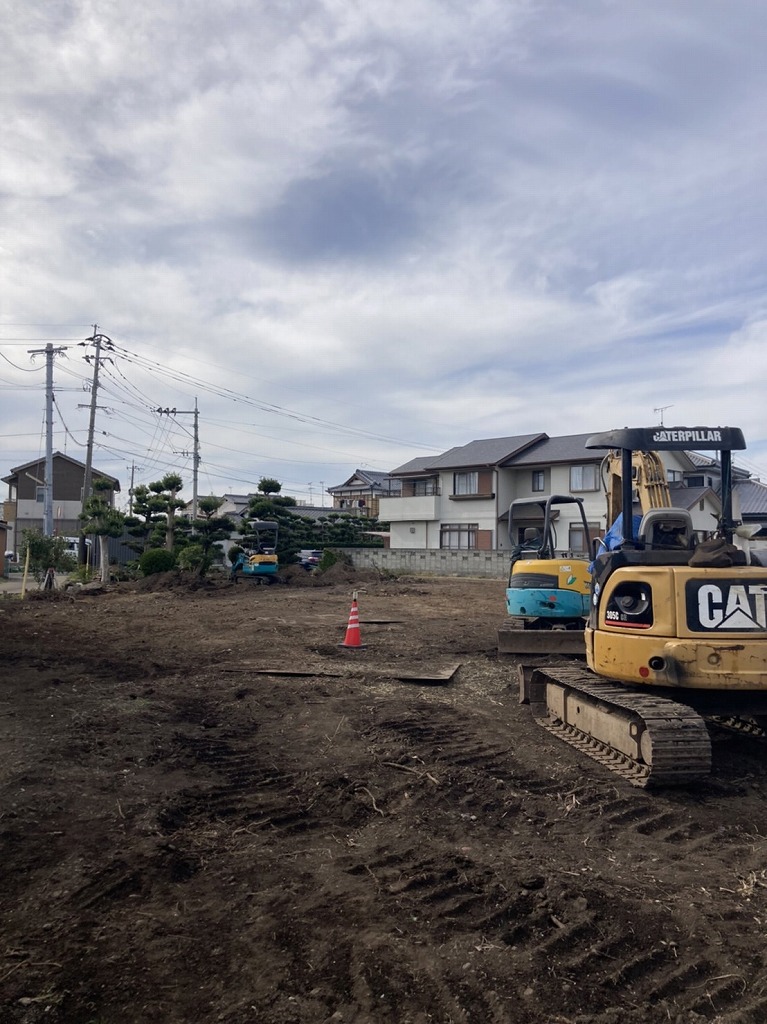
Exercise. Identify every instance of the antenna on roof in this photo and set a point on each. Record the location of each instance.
(661, 409)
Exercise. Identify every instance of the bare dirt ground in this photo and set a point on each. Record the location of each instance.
(187, 837)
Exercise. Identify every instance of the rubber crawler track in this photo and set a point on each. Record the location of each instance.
(681, 747)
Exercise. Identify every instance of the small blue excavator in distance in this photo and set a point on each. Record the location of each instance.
(258, 561)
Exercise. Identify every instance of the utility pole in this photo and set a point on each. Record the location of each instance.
(49, 351)
(196, 450)
(130, 492)
(97, 339)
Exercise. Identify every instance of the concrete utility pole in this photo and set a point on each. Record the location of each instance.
(97, 339)
(49, 352)
(196, 451)
(130, 492)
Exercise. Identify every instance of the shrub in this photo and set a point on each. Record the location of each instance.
(157, 560)
(234, 552)
(191, 557)
(331, 557)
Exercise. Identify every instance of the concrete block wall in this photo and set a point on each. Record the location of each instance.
(488, 564)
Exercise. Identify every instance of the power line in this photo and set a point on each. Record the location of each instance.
(22, 369)
(222, 392)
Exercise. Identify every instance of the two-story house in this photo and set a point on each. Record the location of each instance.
(361, 493)
(460, 499)
(26, 491)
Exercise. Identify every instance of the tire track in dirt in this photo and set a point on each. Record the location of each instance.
(539, 921)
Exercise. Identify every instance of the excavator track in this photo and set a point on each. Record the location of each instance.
(650, 741)
(754, 729)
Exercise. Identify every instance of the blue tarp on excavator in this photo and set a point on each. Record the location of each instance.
(614, 536)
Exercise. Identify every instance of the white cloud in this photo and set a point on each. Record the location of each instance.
(475, 219)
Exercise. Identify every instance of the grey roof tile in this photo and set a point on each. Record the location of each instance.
(418, 465)
(549, 450)
(489, 451)
(753, 497)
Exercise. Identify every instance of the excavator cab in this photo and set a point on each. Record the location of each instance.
(667, 529)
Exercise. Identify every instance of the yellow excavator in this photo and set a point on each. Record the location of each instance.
(676, 637)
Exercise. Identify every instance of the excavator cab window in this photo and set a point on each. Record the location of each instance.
(667, 530)
(666, 535)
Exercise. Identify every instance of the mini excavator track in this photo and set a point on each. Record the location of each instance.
(650, 741)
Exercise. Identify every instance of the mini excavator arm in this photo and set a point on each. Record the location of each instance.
(648, 480)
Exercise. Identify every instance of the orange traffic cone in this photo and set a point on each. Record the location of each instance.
(352, 638)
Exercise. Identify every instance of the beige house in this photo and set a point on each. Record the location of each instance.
(26, 486)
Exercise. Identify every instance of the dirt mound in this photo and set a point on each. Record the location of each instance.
(341, 572)
(297, 576)
(175, 579)
(338, 574)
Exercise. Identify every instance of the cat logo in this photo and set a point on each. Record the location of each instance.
(727, 606)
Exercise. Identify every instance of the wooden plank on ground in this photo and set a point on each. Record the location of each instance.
(261, 671)
(434, 676)
(427, 675)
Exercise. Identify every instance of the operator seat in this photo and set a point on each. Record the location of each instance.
(667, 529)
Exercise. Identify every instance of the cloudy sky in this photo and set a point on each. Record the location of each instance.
(361, 231)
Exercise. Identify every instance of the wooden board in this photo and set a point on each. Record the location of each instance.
(430, 676)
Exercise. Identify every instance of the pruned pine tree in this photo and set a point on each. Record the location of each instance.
(168, 501)
(210, 527)
(147, 515)
(101, 520)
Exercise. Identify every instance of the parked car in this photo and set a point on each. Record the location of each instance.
(309, 559)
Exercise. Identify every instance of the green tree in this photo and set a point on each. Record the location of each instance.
(167, 501)
(268, 485)
(208, 528)
(146, 519)
(47, 553)
(101, 520)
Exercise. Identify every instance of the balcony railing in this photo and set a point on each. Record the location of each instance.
(412, 509)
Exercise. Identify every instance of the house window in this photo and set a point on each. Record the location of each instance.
(424, 488)
(577, 538)
(40, 494)
(466, 483)
(583, 478)
(539, 480)
(458, 536)
(674, 476)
